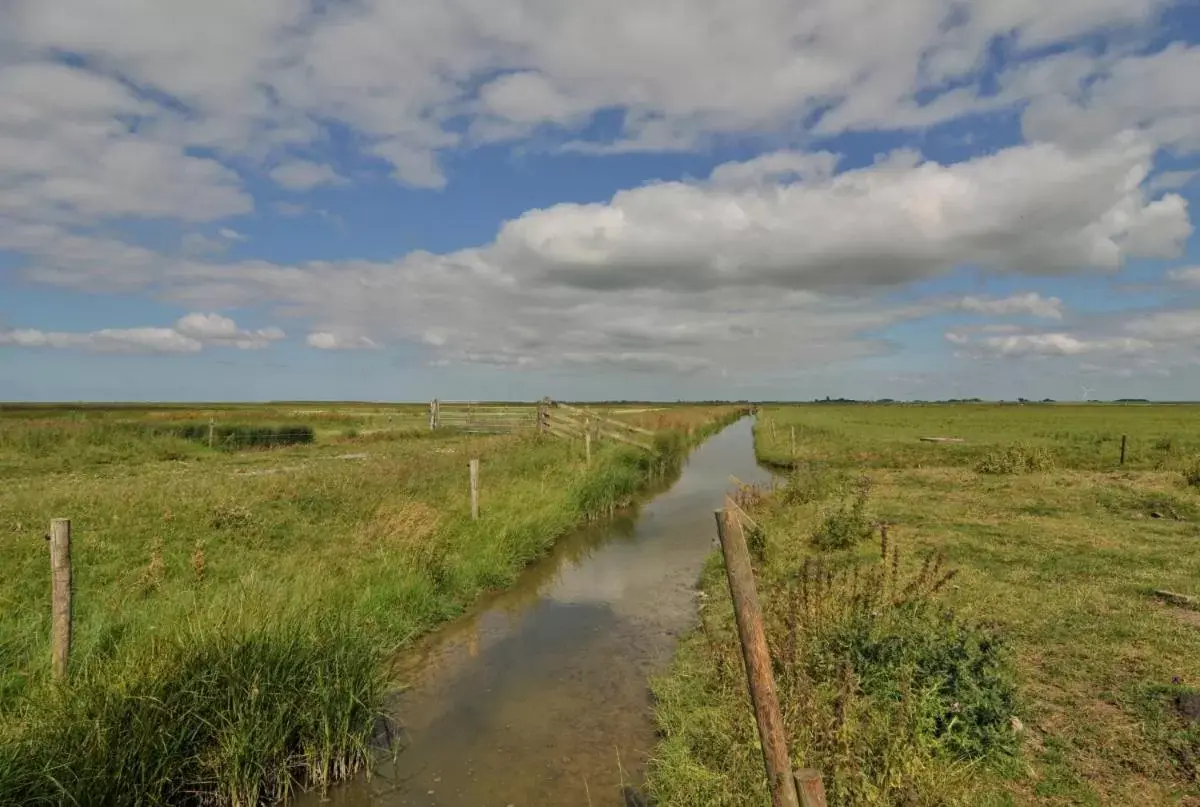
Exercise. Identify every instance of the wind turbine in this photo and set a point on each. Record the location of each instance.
(1087, 392)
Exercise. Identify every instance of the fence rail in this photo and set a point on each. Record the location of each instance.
(480, 418)
(547, 416)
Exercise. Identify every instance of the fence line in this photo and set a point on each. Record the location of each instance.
(547, 416)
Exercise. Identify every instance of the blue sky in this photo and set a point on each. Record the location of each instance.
(295, 199)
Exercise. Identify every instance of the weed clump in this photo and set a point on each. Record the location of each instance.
(808, 485)
(155, 573)
(1018, 458)
(848, 523)
(1191, 474)
(892, 695)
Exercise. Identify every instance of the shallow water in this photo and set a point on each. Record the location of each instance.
(539, 696)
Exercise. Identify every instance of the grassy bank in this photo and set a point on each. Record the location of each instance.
(234, 612)
(1050, 615)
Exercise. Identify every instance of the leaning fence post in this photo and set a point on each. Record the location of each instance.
(758, 660)
(1123, 438)
(60, 585)
(474, 466)
(811, 787)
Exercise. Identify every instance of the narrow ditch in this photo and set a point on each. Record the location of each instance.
(539, 696)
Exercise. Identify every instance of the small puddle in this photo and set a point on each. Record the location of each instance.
(539, 696)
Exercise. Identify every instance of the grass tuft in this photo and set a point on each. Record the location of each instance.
(1016, 459)
(848, 522)
(240, 716)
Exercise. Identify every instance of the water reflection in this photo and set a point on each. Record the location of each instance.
(539, 696)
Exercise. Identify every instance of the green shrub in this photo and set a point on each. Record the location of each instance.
(848, 523)
(1016, 459)
(965, 670)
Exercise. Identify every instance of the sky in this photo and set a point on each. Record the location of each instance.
(600, 199)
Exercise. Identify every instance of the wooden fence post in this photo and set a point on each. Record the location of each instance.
(811, 787)
(793, 443)
(212, 423)
(758, 660)
(587, 441)
(1123, 439)
(543, 415)
(60, 583)
(474, 466)
(435, 413)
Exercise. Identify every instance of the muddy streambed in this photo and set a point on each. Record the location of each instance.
(539, 695)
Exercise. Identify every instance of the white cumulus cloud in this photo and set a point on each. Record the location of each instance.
(1031, 304)
(108, 340)
(302, 175)
(327, 340)
(190, 335)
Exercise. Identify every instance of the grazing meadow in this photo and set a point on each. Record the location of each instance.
(1011, 619)
(236, 604)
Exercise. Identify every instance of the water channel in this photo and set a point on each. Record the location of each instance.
(539, 695)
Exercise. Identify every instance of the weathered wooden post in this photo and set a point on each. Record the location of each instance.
(543, 416)
(435, 413)
(587, 442)
(793, 443)
(212, 427)
(474, 466)
(811, 787)
(1123, 439)
(758, 660)
(60, 593)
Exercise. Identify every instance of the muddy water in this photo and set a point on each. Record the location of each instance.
(539, 696)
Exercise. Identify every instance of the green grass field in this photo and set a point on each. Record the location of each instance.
(234, 610)
(1057, 564)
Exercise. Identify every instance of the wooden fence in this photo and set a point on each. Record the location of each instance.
(482, 418)
(573, 423)
(547, 416)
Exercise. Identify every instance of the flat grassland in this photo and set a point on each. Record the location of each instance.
(235, 609)
(902, 682)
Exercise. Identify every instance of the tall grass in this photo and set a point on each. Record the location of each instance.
(891, 695)
(235, 437)
(208, 716)
(172, 700)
